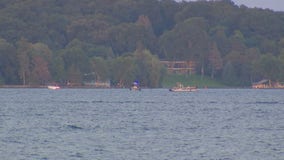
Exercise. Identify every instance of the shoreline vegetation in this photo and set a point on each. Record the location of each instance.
(93, 87)
(168, 82)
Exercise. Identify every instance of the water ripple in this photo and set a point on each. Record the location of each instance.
(152, 124)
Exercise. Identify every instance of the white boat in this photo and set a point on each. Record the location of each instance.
(180, 88)
(53, 87)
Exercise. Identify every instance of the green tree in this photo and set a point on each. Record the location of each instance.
(149, 69)
(229, 75)
(281, 59)
(57, 68)
(34, 62)
(100, 68)
(269, 46)
(268, 67)
(215, 60)
(168, 10)
(251, 55)
(192, 39)
(76, 61)
(126, 37)
(237, 42)
(187, 41)
(90, 29)
(24, 49)
(8, 63)
(40, 64)
(233, 67)
(99, 51)
(123, 71)
(219, 36)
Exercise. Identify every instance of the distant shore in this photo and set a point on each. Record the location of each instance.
(95, 87)
(45, 86)
(22, 86)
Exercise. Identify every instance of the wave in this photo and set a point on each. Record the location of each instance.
(266, 102)
(124, 102)
(71, 126)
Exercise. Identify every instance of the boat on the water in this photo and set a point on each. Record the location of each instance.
(53, 87)
(180, 88)
(135, 86)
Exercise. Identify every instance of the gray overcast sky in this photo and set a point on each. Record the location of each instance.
(276, 5)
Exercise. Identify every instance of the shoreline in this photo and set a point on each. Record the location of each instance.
(46, 86)
(94, 87)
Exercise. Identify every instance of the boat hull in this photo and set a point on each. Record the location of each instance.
(53, 87)
(183, 89)
(135, 88)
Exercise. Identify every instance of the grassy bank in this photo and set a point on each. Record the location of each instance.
(191, 80)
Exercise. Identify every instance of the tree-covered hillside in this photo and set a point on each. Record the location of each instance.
(75, 41)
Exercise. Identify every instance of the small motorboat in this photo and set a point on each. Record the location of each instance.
(180, 88)
(53, 87)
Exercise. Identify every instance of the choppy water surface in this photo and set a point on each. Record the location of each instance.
(154, 124)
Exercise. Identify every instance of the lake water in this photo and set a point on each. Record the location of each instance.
(154, 124)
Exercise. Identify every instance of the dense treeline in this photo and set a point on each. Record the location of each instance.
(75, 41)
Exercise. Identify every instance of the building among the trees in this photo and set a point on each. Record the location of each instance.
(180, 67)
